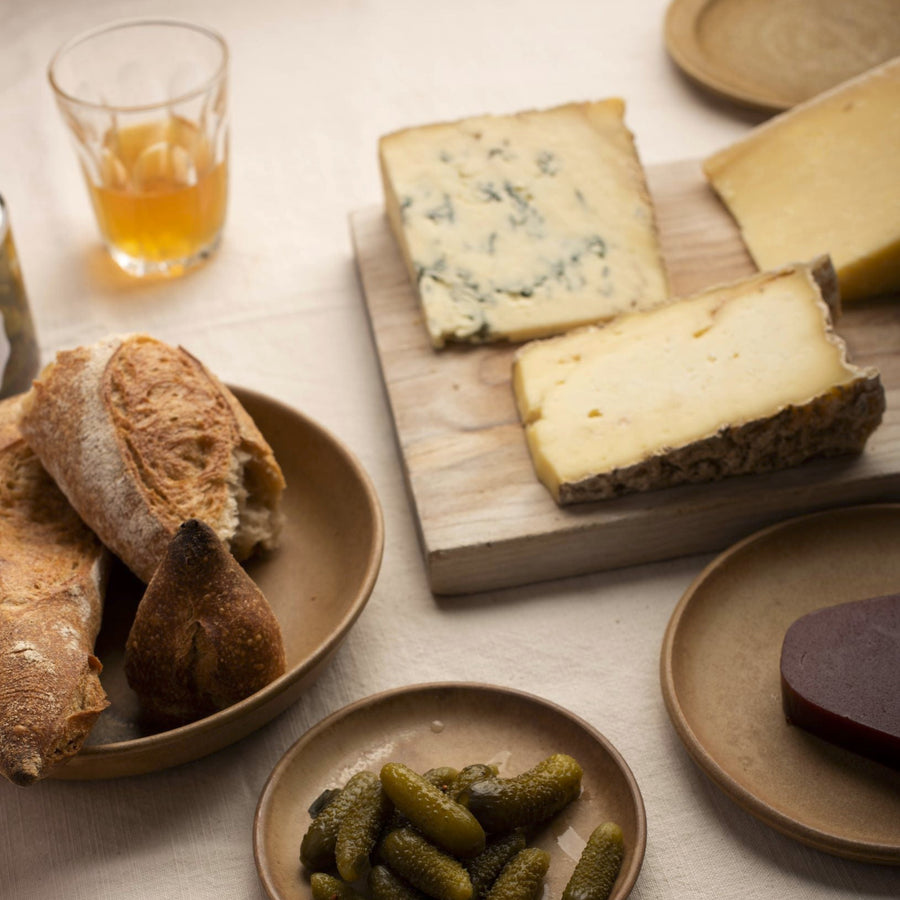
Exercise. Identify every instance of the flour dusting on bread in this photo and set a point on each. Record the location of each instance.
(52, 580)
(140, 437)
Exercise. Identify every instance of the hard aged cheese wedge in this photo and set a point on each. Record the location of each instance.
(746, 377)
(518, 226)
(823, 177)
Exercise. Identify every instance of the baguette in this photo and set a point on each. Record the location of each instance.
(140, 437)
(53, 573)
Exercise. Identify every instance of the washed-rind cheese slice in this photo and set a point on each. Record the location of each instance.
(742, 378)
(823, 177)
(514, 227)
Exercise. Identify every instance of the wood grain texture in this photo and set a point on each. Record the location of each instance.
(485, 521)
(773, 54)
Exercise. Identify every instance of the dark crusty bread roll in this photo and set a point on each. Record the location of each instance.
(53, 573)
(204, 636)
(140, 436)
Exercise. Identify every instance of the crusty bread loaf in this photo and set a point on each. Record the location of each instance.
(140, 436)
(52, 579)
(204, 637)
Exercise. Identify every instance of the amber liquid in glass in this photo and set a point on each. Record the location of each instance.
(162, 195)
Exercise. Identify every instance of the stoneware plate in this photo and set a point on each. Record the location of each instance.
(317, 583)
(773, 54)
(721, 680)
(449, 724)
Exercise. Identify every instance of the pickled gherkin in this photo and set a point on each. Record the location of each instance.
(598, 866)
(387, 885)
(522, 877)
(317, 846)
(450, 834)
(359, 829)
(502, 804)
(469, 775)
(440, 818)
(327, 887)
(322, 801)
(424, 866)
(441, 777)
(484, 869)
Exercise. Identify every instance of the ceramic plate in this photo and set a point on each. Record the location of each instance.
(721, 679)
(317, 583)
(448, 724)
(772, 54)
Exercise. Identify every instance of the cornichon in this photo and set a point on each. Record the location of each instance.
(440, 818)
(522, 877)
(424, 866)
(598, 866)
(326, 797)
(502, 804)
(327, 887)
(441, 777)
(359, 829)
(317, 846)
(469, 775)
(386, 885)
(484, 869)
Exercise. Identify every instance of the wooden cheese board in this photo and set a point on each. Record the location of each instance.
(484, 520)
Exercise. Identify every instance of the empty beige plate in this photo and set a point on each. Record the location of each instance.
(449, 724)
(317, 583)
(721, 679)
(772, 54)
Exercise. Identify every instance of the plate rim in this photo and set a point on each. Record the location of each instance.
(817, 838)
(92, 755)
(680, 35)
(679, 32)
(386, 696)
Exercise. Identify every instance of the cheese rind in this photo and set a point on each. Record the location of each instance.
(514, 227)
(742, 378)
(823, 177)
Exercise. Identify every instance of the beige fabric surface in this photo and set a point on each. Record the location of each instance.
(279, 310)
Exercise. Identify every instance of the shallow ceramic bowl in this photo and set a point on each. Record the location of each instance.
(452, 724)
(317, 582)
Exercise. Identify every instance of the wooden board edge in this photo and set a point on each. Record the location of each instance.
(462, 570)
(488, 564)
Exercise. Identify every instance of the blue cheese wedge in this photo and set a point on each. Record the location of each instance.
(520, 226)
(742, 378)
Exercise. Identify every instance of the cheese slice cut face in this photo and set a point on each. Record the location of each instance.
(742, 378)
(823, 177)
(514, 227)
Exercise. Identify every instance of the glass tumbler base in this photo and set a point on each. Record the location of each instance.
(143, 268)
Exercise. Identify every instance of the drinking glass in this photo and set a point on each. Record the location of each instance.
(146, 104)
